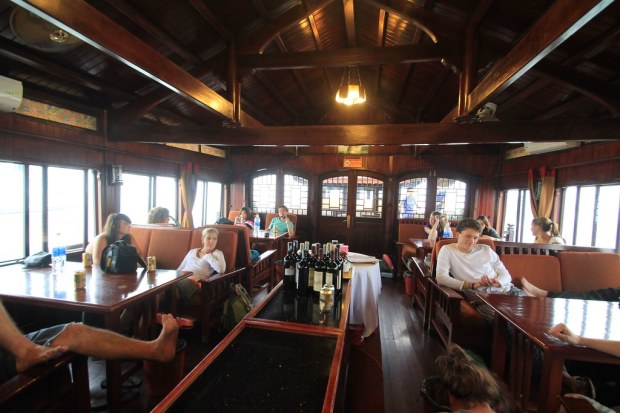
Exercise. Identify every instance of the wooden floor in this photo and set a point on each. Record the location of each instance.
(407, 356)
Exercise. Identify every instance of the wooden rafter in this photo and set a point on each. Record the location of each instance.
(85, 22)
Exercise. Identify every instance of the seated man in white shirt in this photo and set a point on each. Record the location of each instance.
(471, 268)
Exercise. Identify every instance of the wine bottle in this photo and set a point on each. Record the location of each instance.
(290, 263)
(302, 273)
(319, 273)
(333, 268)
(312, 254)
(340, 261)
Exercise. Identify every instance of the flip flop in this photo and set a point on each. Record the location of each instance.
(131, 383)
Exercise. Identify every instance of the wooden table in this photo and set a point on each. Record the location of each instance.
(531, 319)
(266, 241)
(105, 294)
(284, 356)
(422, 246)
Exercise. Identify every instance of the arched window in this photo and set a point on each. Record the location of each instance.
(451, 197)
(296, 194)
(334, 197)
(412, 198)
(264, 193)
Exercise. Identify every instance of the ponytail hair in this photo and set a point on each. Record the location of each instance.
(547, 226)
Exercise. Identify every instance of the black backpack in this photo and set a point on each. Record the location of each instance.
(120, 258)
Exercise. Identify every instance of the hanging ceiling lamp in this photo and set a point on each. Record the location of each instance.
(351, 92)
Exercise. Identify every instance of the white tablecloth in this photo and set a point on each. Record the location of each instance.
(365, 290)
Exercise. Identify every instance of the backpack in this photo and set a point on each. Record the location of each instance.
(236, 306)
(120, 258)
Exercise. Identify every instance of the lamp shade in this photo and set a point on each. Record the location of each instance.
(351, 92)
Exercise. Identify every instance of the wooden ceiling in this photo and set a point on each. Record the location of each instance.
(248, 72)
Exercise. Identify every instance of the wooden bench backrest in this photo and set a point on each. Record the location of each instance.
(585, 271)
(541, 270)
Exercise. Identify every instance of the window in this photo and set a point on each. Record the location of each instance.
(296, 194)
(140, 193)
(409, 189)
(334, 198)
(451, 197)
(54, 204)
(518, 215)
(208, 203)
(264, 193)
(369, 201)
(590, 215)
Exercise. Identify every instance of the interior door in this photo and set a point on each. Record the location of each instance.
(351, 210)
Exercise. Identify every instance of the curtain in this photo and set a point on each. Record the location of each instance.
(542, 206)
(547, 192)
(532, 182)
(188, 192)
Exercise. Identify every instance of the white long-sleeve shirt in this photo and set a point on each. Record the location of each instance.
(454, 267)
(202, 268)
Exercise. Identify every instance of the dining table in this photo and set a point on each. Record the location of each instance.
(108, 295)
(530, 359)
(266, 240)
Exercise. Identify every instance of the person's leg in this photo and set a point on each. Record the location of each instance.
(532, 290)
(106, 344)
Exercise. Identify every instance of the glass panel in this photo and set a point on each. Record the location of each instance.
(369, 200)
(569, 206)
(12, 211)
(526, 218)
(511, 209)
(412, 198)
(65, 207)
(214, 202)
(35, 213)
(334, 197)
(135, 197)
(264, 193)
(93, 182)
(166, 194)
(587, 199)
(199, 205)
(451, 196)
(296, 194)
(608, 205)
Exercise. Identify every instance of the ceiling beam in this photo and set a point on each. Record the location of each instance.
(390, 134)
(559, 22)
(349, 22)
(257, 40)
(12, 51)
(353, 56)
(87, 23)
(153, 29)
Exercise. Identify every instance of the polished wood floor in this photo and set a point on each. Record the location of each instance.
(407, 356)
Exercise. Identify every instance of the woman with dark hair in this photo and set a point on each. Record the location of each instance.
(546, 231)
(244, 218)
(117, 227)
(471, 387)
(487, 230)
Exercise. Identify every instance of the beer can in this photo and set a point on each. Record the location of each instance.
(87, 259)
(326, 298)
(79, 279)
(151, 263)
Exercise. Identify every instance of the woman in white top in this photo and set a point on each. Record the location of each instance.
(203, 262)
(546, 231)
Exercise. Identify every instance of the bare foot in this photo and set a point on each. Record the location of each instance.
(36, 354)
(166, 343)
(531, 289)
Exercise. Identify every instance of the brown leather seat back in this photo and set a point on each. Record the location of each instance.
(169, 246)
(585, 271)
(541, 270)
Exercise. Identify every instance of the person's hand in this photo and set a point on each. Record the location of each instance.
(487, 281)
(563, 333)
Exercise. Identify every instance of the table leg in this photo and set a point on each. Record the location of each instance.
(551, 374)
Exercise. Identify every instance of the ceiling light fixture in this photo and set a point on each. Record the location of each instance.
(351, 92)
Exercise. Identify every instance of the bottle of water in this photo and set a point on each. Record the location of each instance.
(59, 255)
(256, 225)
(447, 232)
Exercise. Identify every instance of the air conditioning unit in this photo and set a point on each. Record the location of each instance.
(11, 94)
(533, 148)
